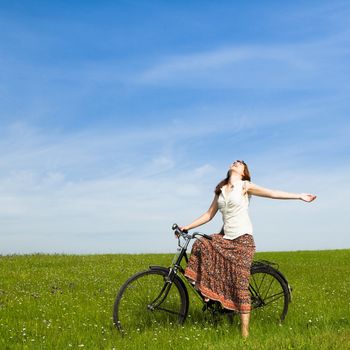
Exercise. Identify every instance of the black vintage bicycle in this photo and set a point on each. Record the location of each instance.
(159, 294)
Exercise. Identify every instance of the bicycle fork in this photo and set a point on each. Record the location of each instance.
(161, 297)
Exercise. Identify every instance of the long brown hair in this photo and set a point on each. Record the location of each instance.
(246, 176)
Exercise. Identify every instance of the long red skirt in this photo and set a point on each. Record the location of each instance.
(220, 269)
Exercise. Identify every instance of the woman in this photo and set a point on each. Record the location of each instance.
(220, 268)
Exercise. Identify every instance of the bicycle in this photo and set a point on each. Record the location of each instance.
(159, 294)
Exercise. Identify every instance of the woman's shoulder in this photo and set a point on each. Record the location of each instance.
(246, 186)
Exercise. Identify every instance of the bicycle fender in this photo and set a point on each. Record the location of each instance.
(156, 267)
(287, 283)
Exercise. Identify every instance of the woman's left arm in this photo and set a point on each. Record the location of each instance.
(256, 190)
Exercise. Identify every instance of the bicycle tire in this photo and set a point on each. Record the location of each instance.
(143, 301)
(270, 292)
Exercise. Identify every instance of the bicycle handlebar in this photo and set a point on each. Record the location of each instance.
(184, 233)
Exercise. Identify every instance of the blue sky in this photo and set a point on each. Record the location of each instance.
(118, 118)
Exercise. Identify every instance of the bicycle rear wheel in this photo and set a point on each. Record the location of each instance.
(270, 293)
(148, 299)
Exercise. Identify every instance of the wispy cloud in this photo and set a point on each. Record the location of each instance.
(217, 59)
(256, 65)
(59, 188)
(43, 201)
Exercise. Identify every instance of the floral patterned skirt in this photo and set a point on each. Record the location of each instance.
(220, 269)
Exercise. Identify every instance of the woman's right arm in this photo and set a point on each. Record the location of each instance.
(207, 216)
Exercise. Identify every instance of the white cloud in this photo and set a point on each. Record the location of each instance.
(219, 59)
(71, 193)
(254, 66)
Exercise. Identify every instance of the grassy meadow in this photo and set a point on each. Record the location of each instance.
(66, 301)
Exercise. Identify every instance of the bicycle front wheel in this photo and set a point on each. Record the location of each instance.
(148, 299)
(270, 294)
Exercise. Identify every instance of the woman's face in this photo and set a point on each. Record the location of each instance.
(238, 167)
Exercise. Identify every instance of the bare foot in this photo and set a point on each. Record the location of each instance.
(245, 333)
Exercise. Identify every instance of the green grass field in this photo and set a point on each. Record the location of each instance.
(66, 301)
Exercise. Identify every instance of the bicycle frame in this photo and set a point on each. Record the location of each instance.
(173, 279)
(176, 263)
(175, 268)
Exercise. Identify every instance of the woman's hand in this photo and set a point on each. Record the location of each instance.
(307, 197)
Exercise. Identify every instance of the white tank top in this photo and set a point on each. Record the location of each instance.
(234, 209)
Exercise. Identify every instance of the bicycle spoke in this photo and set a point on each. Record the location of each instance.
(256, 284)
(269, 293)
(279, 294)
(268, 300)
(262, 281)
(268, 289)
